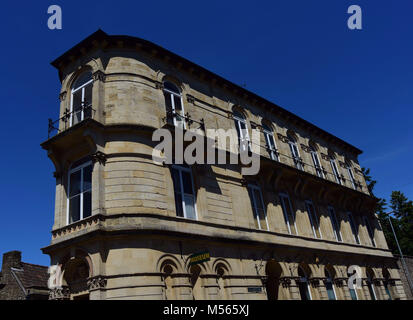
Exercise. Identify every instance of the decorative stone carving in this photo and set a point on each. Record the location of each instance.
(305, 148)
(190, 99)
(158, 85)
(325, 157)
(62, 293)
(315, 282)
(339, 282)
(285, 282)
(62, 96)
(99, 157)
(96, 283)
(282, 138)
(99, 76)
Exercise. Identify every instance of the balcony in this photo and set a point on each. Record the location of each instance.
(70, 118)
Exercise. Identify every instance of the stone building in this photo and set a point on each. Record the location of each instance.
(406, 270)
(126, 225)
(21, 280)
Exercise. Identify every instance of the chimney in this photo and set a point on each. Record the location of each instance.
(12, 259)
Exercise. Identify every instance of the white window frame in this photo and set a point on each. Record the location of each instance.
(336, 173)
(243, 133)
(181, 184)
(333, 217)
(353, 227)
(317, 163)
(351, 176)
(77, 168)
(174, 112)
(256, 214)
(285, 212)
(74, 90)
(271, 144)
(371, 284)
(370, 231)
(309, 202)
(295, 153)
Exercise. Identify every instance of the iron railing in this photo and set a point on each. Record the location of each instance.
(70, 118)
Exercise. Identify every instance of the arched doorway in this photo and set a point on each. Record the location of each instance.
(76, 275)
(273, 271)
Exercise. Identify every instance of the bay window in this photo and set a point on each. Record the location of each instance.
(81, 98)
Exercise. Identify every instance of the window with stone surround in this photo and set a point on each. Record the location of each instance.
(316, 161)
(354, 227)
(312, 215)
(79, 200)
(184, 192)
(292, 142)
(335, 224)
(242, 131)
(288, 213)
(369, 230)
(258, 208)
(269, 139)
(334, 168)
(81, 98)
(173, 104)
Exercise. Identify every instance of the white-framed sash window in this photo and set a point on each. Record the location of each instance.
(174, 105)
(354, 228)
(269, 139)
(369, 230)
(288, 213)
(335, 224)
(316, 161)
(81, 98)
(258, 207)
(242, 131)
(295, 153)
(335, 170)
(185, 201)
(79, 199)
(314, 221)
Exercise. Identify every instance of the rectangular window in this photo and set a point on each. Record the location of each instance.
(296, 155)
(79, 200)
(369, 230)
(289, 216)
(317, 164)
(184, 192)
(243, 136)
(257, 203)
(335, 171)
(272, 149)
(354, 227)
(334, 224)
(350, 175)
(312, 215)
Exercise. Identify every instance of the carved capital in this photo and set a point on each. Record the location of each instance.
(282, 138)
(62, 293)
(324, 156)
(305, 148)
(99, 76)
(96, 283)
(285, 282)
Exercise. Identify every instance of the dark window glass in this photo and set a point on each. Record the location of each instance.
(75, 183)
(87, 204)
(74, 209)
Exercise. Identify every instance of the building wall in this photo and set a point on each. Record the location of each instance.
(403, 274)
(131, 192)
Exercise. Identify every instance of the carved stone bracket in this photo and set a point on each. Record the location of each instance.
(158, 85)
(190, 99)
(96, 283)
(339, 282)
(99, 76)
(305, 148)
(315, 282)
(282, 138)
(62, 293)
(324, 156)
(99, 157)
(62, 96)
(285, 281)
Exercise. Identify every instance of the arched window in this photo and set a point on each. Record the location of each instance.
(370, 285)
(303, 285)
(174, 106)
(334, 168)
(168, 269)
(331, 293)
(269, 139)
(196, 282)
(316, 161)
(221, 271)
(81, 98)
(79, 199)
(242, 131)
(294, 152)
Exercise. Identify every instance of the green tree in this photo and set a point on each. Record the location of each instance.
(369, 180)
(403, 220)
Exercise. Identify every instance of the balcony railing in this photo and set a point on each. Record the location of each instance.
(70, 118)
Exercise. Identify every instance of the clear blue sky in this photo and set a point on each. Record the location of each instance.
(357, 85)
